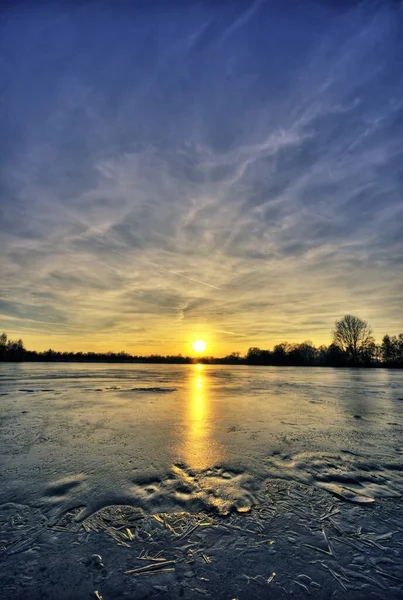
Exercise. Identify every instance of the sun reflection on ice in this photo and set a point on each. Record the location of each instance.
(200, 449)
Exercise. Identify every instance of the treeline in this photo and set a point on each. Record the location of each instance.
(388, 354)
(352, 346)
(15, 351)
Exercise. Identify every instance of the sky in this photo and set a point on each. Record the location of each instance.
(225, 171)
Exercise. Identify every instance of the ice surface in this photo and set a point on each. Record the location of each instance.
(183, 437)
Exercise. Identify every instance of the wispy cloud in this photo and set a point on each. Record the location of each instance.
(230, 173)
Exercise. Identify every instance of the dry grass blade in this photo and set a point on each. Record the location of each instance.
(303, 586)
(259, 579)
(366, 540)
(335, 575)
(363, 577)
(119, 536)
(260, 527)
(156, 558)
(349, 543)
(327, 542)
(159, 519)
(188, 531)
(337, 526)
(318, 549)
(154, 572)
(21, 544)
(384, 536)
(150, 568)
(229, 526)
(331, 513)
(384, 574)
(168, 526)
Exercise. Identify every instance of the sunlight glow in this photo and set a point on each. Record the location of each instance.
(199, 346)
(199, 449)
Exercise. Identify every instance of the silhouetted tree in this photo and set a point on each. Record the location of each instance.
(392, 350)
(387, 349)
(232, 358)
(335, 356)
(3, 346)
(303, 354)
(256, 356)
(14, 350)
(354, 336)
(280, 353)
(321, 356)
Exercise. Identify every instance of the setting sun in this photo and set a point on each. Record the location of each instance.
(199, 346)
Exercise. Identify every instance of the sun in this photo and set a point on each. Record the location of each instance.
(199, 346)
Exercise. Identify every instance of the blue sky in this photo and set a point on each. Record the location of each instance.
(171, 170)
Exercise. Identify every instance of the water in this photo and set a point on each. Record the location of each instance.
(169, 437)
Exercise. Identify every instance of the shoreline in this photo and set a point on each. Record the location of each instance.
(214, 361)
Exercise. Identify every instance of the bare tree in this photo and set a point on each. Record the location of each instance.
(354, 336)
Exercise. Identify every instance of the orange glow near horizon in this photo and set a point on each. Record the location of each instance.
(217, 345)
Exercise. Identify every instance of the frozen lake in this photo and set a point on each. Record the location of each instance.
(189, 437)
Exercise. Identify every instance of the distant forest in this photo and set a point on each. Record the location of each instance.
(353, 346)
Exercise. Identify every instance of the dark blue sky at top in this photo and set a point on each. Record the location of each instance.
(232, 170)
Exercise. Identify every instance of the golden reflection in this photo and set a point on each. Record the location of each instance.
(200, 449)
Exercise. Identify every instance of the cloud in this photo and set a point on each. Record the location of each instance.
(188, 174)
